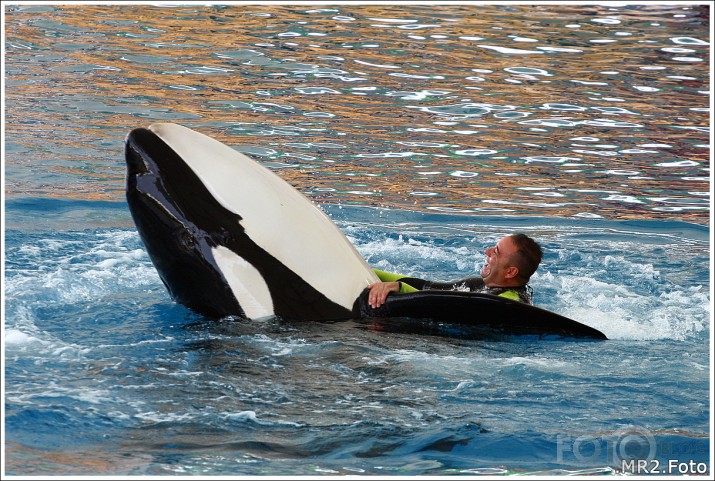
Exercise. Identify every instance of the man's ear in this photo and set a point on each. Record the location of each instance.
(512, 272)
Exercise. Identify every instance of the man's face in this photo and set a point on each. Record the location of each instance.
(498, 269)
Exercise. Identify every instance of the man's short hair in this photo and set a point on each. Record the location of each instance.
(528, 255)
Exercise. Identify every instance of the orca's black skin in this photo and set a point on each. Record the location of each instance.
(179, 222)
(475, 310)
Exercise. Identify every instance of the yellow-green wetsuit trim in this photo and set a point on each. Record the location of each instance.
(390, 277)
(513, 295)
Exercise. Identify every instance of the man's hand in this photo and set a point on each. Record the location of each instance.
(379, 292)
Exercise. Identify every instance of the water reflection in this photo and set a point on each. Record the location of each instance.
(518, 109)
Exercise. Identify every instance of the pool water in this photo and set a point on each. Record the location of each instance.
(426, 133)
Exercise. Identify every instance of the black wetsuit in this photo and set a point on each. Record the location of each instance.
(470, 284)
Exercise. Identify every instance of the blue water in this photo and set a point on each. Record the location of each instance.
(427, 133)
(105, 375)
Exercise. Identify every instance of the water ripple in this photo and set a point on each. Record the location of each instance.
(487, 89)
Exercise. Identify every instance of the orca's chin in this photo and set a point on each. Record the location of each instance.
(135, 155)
(135, 164)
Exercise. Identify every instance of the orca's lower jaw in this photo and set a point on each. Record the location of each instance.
(135, 164)
(138, 162)
(179, 250)
(182, 257)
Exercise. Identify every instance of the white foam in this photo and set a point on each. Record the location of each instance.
(623, 313)
(85, 269)
(21, 334)
(16, 337)
(72, 271)
(251, 416)
(542, 363)
(158, 417)
(408, 256)
(242, 416)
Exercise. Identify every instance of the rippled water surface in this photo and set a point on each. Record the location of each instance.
(564, 110)
(427, 133)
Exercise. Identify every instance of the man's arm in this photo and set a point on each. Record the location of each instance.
(405, 284)
(389, 282)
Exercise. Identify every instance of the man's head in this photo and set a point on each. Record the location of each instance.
(512, 261)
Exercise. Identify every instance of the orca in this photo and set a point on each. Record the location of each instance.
(229, 237)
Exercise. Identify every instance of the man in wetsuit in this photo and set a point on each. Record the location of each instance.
(506, 272)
